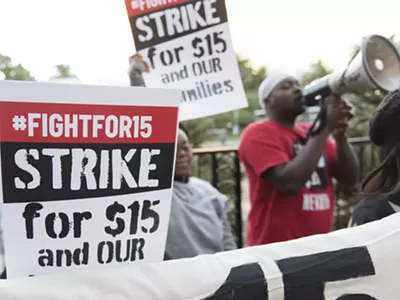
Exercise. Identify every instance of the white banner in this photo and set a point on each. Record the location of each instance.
(86, 175)
(352, 264)
(188, 46)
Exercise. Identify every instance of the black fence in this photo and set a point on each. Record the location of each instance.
(221, 167)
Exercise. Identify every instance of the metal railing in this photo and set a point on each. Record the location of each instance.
(221, 167)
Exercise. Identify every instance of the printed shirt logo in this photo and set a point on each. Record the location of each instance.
(317, 182)
(316, 202)
(319, 178)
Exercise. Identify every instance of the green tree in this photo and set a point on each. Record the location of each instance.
(10, 71)
(252, 78)
(316, 70)
(198, 130)
(363, 105)
(63, 71)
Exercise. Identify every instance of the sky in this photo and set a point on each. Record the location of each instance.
(94, 37)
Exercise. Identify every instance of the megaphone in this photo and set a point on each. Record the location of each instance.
(376, 66)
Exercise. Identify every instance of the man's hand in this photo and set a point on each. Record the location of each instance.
(137, 65)
(338, 115)
(333, 112)
(340, 131)
(345, 169)
(137, 59)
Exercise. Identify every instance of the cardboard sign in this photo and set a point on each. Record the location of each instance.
(188, 46)
(86, 175)
(351, 264)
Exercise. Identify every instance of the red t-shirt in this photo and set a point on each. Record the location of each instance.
(274, 215)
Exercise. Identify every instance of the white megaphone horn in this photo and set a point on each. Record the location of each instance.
(376, 66)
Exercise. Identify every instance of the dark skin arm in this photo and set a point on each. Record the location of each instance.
(346, 167)
(287, 177)
(292, 176)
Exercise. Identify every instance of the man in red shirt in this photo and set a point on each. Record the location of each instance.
(290, 176)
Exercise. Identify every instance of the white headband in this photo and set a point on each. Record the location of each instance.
(269, 84)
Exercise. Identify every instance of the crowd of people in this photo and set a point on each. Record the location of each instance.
(290, 173)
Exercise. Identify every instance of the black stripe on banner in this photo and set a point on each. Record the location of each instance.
(305, 277)
(175, 22)
(31, 171)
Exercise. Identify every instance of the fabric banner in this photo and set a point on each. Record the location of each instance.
(358, 263)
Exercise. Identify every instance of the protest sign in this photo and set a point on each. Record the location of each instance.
(86, 175)
(188, 47)
(350, 264)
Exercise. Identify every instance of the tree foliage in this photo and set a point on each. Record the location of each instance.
(63, 71)
(252, 78)
(10, 71)
(315, 70)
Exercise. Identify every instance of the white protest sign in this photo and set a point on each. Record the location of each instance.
(86, 175)
(352, 264)
(188, 46)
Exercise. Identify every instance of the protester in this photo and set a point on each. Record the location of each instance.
(290, 176)
(381, 187)
(198, 220)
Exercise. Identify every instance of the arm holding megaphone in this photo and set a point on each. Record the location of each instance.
(292, 176)
(345, 170)
(339, 133)
(337, 114)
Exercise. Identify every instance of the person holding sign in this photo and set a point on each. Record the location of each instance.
(290, 176)
(381, 187)
(198, 220)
